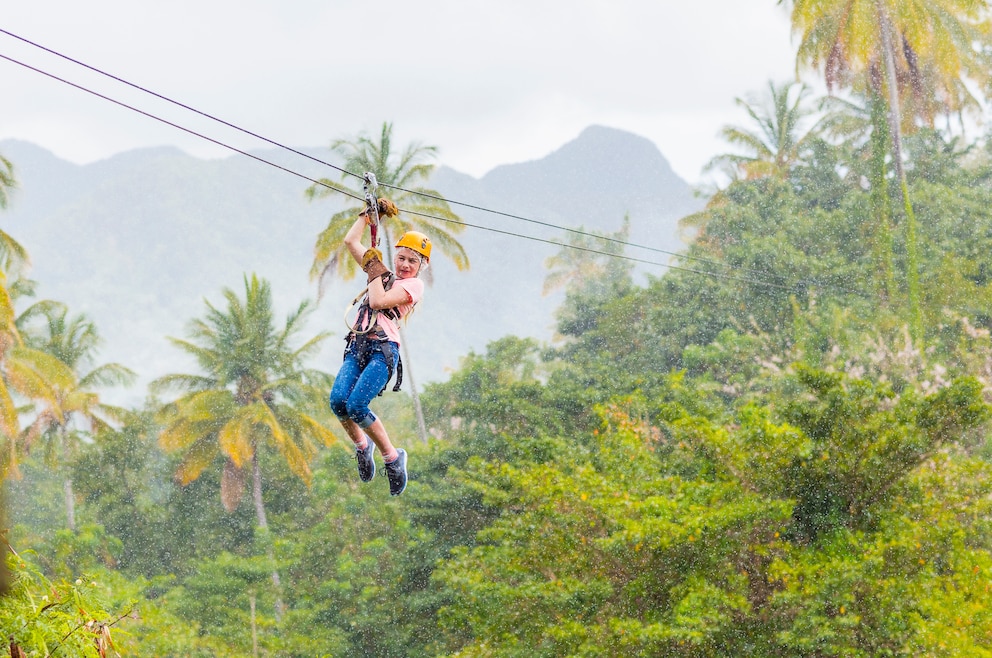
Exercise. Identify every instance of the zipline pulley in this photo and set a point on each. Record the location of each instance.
(372, 206)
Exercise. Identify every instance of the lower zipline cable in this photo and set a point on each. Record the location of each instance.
(355, 175)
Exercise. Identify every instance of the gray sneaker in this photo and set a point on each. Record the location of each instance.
(366, 465)
(396, 472)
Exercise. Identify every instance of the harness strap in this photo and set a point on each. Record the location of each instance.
(366, 314)
(373, 336)
(399, 370)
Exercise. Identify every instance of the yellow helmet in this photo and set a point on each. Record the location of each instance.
(417, 241)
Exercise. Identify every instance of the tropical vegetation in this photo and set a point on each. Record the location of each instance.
(773, 452)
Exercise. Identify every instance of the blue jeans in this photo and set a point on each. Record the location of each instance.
(355, 387)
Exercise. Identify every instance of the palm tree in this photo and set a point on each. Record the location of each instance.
(8, 413)
(891, 49)
(407, 170)
(933, 46)
(25, 374)
(254, 391)
(780, 140)
(12, 257)
(426, 212)
(9, 338)
(74, 411)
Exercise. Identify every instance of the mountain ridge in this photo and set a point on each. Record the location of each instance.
(138, 240)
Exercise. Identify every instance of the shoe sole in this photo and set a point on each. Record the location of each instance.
(406, 477)
(372, 457)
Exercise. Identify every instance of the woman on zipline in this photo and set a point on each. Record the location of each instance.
(373, 351)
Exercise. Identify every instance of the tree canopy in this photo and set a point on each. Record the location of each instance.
(751, 456)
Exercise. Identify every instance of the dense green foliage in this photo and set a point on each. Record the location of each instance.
(703, 465)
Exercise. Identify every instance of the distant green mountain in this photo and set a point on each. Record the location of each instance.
(137, 241)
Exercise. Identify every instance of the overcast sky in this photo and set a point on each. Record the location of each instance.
(488, 83)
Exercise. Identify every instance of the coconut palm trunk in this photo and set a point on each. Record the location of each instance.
(414, 395)
(912, 265)
(70, 504)
(70, 496)
(256, 494)
(4, 549)
(885, 279)
(263, 523)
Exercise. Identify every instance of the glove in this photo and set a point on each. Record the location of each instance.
(369, 255)
(372, 264)
(376, 269)
(387, 208)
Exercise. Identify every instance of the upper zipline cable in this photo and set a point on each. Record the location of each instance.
(175, 102)
(183, 128)
(352, 195)
(313, 158)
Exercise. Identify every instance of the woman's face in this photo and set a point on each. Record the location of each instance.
(407, 263)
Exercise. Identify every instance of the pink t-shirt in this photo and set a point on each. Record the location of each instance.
(415, 292)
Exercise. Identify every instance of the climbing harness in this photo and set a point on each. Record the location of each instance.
(366, 314)
(365, 347)
(366, 341)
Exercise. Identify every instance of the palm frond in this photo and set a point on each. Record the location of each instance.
(297, 456)
(120, 415)
(206, 357)
(42, 309)
(200, 455)
(193, 416)
(329, 248)
(237, 438)
(182, 383)
(37, 374)
(13, 256)
(8, 327)
(108, 374)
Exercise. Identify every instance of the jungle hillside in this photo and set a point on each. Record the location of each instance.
(777, 444)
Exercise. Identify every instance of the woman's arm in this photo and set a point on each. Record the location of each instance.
(353, 238)
(380, 298)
